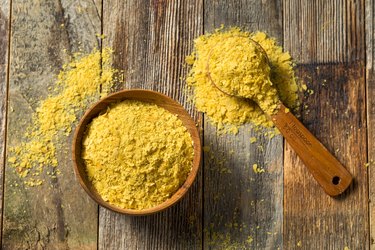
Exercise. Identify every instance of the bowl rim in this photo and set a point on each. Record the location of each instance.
(119, 96)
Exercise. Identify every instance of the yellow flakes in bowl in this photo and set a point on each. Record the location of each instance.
(137, 154)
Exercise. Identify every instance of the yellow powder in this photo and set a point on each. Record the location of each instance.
(82, 81)
(257, 169)
(227, 112)
(239, 67)
(249, 239)
(137, 154)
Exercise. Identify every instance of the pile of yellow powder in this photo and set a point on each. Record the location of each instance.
(82, 81)
(238, 66)
(228, 112)
(137, 154)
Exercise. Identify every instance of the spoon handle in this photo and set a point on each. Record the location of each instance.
(325, 168)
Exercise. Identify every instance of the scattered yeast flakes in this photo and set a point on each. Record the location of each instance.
(101, 36)
(222, 234)
(253, 140)
(227, 113)
(137, 154)
(257, 169)
(369, 163)
(80, 82)
(249, 239)
(299, 244)
(310, 91)
(222, 240)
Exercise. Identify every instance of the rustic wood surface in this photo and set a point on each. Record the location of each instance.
(242, 208)
(4, 36)
(327, 39)
(229, 206)
(151, 39)
(370, 98)
(50, 216)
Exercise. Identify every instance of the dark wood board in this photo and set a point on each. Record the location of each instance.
(370, 98)
(151, 40)
(243, 209)
(58, 214)
(327, 39)
(4, 42)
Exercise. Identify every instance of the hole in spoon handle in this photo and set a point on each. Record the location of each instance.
(325, 168)
(336, 180)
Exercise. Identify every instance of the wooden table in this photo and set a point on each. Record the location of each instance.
(229, 206)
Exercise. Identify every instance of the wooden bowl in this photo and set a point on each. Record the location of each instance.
(145, 96)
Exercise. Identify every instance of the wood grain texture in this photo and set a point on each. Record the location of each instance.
(336, 114)
(370, 98)
(58, 214)
(150, 40)
(324, 31)
(243, 209)
(4, 42)
(329, 173)
(236, 207)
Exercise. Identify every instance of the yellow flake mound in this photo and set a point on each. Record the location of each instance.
(137, 154)
(82, 81)
(227, 112)
(239, 67)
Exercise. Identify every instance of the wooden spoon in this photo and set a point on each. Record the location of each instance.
(325, 168)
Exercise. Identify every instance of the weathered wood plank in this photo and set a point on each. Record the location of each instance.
(151, 39)
(328, 38)
(370, 95)
(324, 31)
(242, 209)
(4, 42)
(58, 214)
